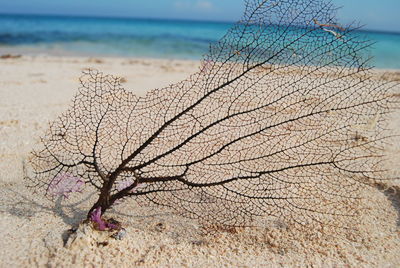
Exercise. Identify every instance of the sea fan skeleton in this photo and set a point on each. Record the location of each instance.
(283, 119)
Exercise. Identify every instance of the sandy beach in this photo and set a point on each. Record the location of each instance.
(36, 89)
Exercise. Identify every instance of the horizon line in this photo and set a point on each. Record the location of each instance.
(159, 19)
(117, 17)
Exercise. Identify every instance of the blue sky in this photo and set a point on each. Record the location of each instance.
(375, 14)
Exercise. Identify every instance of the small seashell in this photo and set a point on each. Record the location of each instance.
(120, 234)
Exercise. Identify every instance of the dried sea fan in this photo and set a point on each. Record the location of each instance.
(283, 119)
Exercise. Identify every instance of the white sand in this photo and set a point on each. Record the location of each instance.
(34, 90)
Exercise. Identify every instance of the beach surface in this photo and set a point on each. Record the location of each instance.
(34, 90)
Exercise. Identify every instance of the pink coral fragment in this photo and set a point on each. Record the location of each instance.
(101, 225)
(64, 184)
(96, 217)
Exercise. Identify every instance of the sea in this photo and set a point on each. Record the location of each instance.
(147, 38)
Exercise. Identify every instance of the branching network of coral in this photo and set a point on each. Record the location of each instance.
(283, 119)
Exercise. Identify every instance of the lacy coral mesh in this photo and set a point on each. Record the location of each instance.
(283, 119)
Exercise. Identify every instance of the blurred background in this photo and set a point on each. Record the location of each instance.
(179, 29)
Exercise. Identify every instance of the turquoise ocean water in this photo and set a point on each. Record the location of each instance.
(140, 38)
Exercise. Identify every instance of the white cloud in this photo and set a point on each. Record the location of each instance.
(204, 4)
(188, 5)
